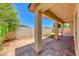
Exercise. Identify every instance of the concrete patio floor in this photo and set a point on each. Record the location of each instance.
(50, 47)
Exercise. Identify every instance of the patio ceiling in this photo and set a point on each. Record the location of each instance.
(61, 12)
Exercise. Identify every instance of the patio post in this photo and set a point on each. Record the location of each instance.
(61, 29)
(56, 30)
(71, 28)
(38, 31)
(76, 33)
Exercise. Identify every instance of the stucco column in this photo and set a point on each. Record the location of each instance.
(61, 29)
(71, 28)
(56, 30)
(76, 39)
(38, 31)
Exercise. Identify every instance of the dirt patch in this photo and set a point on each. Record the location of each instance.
(9, 47)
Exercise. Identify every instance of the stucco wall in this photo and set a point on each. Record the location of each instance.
(24, 32)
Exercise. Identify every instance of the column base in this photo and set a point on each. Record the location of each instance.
(37, 49)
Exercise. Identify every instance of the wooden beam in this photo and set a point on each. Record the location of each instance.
(48, 14)
(40, 6)
(33, 6)
(44, 6)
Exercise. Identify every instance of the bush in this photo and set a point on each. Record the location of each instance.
(51, 36)
(3, 31)
(8, 20)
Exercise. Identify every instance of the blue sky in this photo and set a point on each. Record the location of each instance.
(27, 18)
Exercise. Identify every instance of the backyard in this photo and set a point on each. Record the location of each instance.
(9, 47)
(17, 34)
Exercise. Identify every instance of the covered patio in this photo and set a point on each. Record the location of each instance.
(61, 13)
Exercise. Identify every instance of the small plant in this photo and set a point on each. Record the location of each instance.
(50, 36)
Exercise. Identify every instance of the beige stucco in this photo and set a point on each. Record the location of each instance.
(71, 28)
(56, 30)
(38, 31)
(77, 30)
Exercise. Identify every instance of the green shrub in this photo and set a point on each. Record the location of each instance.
(50, 36)
(8, 20)
(3, 31)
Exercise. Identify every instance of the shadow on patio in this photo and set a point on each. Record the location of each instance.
(51, 47)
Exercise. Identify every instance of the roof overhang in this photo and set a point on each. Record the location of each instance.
(60, 12)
